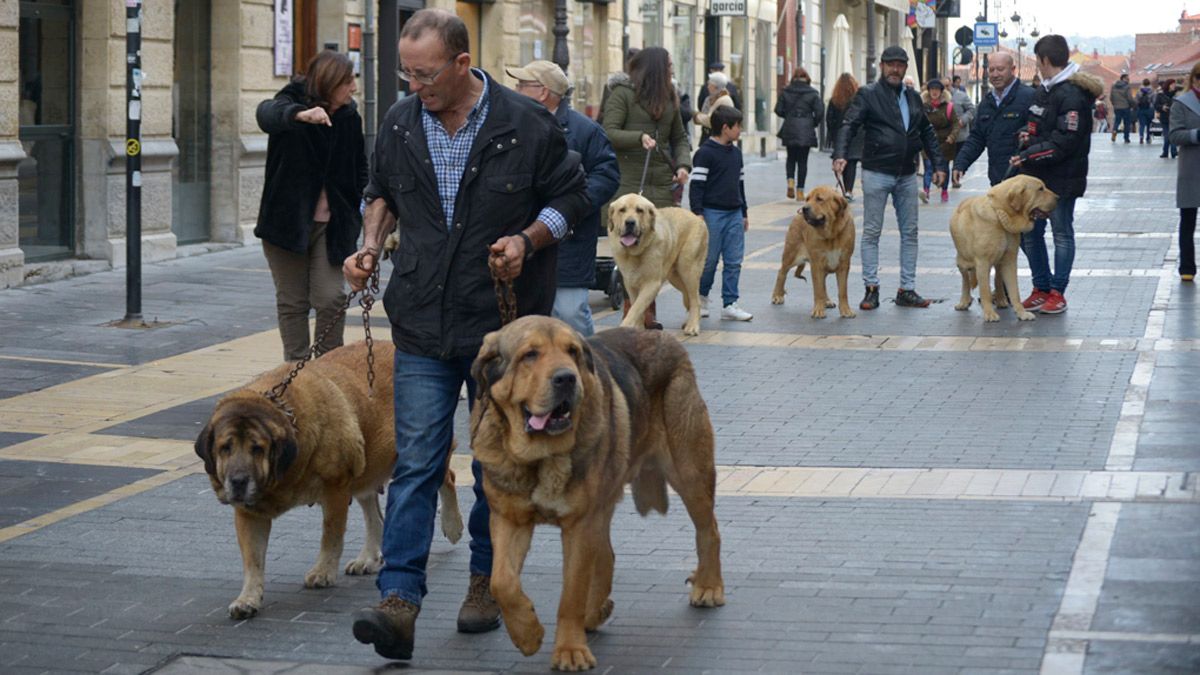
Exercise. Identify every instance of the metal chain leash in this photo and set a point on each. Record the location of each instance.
(366, 300)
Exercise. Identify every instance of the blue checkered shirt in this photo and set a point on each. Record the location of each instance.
(450, 155)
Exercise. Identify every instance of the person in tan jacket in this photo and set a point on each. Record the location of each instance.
(718, 95)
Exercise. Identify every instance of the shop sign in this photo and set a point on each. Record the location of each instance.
(283, 38)
(727, 8)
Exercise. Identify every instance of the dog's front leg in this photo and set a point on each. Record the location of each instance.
(1009, 267)
(843, 279)
(642, 297)
(253, 531)
(983, 272)
(579, 542)
(334, 506)
(370, 558)
(820, 294)
(510, 545)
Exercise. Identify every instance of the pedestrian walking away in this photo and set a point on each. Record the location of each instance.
(964, 110)
(1055, 148)
(1145, 111)
(308, 219)
(718, 195)
(641, 115)
(1123, 104)
(943, 116)
(1185, 134)
(1162, 109)
(1001, 115)
(889, 116)
(835, 115)
(801, 109)
(484, 185)
(545, 83)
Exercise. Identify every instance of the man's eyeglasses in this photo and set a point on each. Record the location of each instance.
(425, 79)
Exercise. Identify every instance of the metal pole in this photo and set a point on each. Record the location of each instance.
(871, 20)
(561, 53)
(368, 54)
(133, 160)
(624, 32)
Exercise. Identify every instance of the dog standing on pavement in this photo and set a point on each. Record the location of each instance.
(342, 447)
(653, 246)
(822, 235)
(987, 234)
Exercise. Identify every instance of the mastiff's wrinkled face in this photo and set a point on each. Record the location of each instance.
(823, 205)
(1026, 196)
(631, 222)
(247, 445)
(534, 372)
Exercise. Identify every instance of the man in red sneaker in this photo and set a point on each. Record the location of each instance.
(1055, 146)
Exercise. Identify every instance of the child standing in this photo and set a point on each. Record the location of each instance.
(718, 195)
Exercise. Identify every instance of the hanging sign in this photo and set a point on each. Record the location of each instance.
(283, 38)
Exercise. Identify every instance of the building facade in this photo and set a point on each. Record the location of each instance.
(208, 63)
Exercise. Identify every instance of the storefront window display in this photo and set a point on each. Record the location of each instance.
(652, 22)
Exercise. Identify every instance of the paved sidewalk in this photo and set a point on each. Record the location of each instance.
(910, 491)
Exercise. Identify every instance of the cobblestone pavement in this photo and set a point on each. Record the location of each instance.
(910, 491)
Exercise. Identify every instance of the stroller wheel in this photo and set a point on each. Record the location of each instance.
(616, 290)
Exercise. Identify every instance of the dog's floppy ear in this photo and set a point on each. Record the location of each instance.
(1001, 204)
(203, 448)
(489, 365)
(589, 358)
(842, 204)
(1018, 198)
(283, 453)
(612, 210)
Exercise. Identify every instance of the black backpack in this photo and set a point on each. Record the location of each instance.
(1143, 100)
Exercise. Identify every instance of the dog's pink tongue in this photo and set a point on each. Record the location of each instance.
(538, 422)
(628, 240)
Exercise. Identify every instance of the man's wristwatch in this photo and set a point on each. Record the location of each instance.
(529, 250)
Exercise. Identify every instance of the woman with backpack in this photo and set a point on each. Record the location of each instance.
(801, 108)
(1145, 112)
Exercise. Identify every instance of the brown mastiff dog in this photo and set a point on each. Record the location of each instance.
(821, 234)
(562, 425)
(343, 446)
(987, 233)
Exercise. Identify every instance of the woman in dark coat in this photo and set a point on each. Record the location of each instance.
(801, 109)
(843, 93)
(1162, 107)
(309, 218)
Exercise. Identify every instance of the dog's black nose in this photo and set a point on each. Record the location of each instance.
(563, 379)
(239, 484)
(630, 223)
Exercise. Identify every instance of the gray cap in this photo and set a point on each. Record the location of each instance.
(894, 53)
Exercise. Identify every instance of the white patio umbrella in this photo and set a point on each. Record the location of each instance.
(907, 43)
(839, 54)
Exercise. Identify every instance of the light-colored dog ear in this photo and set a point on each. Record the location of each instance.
(1018, 198)
(1001, 205)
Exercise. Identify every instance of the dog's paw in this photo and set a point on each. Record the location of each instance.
(776, 299)
(829, 304)
(572, 658)
(452, 527)
(244, 608)
(597, 617)
(526, 632)
(706, 596)
(363, 566)
(847, 313)
(691, 329)
(319, 577)
(964, 305)
(990, 315)
(1026, 316)
(1000, 299)
(818, 312)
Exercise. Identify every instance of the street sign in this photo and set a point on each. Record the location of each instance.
(985, 35)
(727, 8)
(963, 36)
(985, 50)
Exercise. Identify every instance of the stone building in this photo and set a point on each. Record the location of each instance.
(208, 63)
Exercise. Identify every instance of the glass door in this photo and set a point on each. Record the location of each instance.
(45, 178)
(192, 122)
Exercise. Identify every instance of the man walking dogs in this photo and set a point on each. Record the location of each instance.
(892, 117)
(1055, 147)
(473, 175)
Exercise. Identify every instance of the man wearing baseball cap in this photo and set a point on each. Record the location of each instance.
(545, 83)
(891, 117)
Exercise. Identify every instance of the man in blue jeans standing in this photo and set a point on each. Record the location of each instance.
(481, 183)
(1054, 147)
(893, 120)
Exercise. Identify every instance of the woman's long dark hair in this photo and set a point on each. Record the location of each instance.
(650, 71)
(327, 71)
(843, 90)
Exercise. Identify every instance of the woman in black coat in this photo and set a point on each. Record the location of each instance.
(309, 218)
(843, 93)
(801, 109)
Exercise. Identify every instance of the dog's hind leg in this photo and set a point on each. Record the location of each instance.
(649, 486)
(1000, 296)
(370, 558)
(642, 297)
(334, 508)
(253, 531)
(788, 262)
(983, 274)
(964, 300)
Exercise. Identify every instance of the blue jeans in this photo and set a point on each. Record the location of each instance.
(426, 395)
(571, 305)
(1033, 243)
(1120, 116)
(1145, 117)
(727, 241)
(903, 189)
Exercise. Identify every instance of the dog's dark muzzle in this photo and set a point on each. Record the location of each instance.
(815, 221)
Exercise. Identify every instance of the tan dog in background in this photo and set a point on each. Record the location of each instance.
(652, 246)
(563, 424)
(343, 446)
(821, 234)
(987, 234)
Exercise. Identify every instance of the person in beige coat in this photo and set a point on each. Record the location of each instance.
(718, 95)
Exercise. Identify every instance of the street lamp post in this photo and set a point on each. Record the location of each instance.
(1016, 18)
(561, 53)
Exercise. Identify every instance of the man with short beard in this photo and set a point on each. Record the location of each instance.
(1002, 113)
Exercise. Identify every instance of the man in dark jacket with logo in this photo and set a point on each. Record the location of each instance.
(891, 117)
(1055, 146)
(544, 82)
(1000, 118)
(475, 176)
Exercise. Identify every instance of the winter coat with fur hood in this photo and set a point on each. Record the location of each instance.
(1060, 130)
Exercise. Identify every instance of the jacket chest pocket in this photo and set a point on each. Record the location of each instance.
(509, 191)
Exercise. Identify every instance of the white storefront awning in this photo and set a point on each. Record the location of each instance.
(898, 5)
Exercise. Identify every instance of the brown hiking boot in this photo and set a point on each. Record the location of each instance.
(479, 612)
(390, 627)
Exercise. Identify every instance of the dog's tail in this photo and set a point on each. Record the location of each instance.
(973, 278)
(800, 270)
(649, 488)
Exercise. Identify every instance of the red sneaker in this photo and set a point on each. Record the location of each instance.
(1055, 304)
(1035, 300)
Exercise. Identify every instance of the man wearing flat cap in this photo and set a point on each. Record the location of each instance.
(544, 82)
(896, 130)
